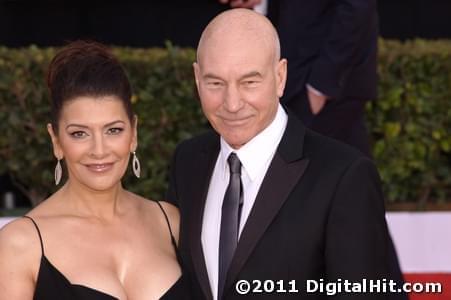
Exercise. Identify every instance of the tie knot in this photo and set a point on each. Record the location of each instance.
(234, 164)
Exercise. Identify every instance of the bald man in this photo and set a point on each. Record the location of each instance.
(262, 198)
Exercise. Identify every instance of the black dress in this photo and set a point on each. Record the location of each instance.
(51, 284)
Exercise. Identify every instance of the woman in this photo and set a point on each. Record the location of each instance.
(92, 239)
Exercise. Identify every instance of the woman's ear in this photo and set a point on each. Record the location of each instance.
(134, 143)
(57, 151)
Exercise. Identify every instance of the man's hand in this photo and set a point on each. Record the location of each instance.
(241, 3)
(316, 101)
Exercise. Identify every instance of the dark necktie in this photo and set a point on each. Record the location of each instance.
(230, 220)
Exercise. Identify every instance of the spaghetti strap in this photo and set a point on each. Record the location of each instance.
(39, 233)
(169, 226)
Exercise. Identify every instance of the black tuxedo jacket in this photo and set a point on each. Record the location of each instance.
(330, 44)
(319, 214)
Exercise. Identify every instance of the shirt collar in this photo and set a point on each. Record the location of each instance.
(261, 148)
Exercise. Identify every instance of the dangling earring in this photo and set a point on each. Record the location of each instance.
(136, 165)
(58, 172)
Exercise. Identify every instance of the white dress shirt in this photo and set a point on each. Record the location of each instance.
(262, 8)
(255, 156)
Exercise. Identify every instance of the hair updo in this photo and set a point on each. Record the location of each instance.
(86, 68)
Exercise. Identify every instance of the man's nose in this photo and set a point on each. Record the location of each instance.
(233, 101)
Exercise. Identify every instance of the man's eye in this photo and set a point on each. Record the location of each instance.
(78, 134)
(115, 130)
(250, 82)
(214, 83)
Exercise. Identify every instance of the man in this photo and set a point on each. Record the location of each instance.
(332, 49)
(262, 197)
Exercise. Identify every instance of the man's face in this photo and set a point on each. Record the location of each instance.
(239, 85)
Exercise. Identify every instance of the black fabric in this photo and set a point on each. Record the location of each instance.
(230, 220)
(342, 120)
(51, 284)
(331, 45)
(319, 214)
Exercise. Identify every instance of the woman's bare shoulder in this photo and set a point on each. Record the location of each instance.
(19, 235)
(154, 208)
(20, 256)
(19, 259)
(172, 212)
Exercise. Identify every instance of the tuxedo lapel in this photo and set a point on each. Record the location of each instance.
(285, 171)
(201, 179)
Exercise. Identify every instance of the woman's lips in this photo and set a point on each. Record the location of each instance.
(99, 168)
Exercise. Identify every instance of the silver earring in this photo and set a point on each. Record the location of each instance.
(136, 165)
(58, 172)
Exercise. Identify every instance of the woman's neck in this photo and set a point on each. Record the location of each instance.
(86, 202)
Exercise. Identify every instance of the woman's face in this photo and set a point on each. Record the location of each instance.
(95, 138)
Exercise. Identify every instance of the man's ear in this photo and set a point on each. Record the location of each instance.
(281, 76)
(134, 143)
(57, 151)
(196, 74)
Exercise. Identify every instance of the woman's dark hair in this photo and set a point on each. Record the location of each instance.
(86, 68)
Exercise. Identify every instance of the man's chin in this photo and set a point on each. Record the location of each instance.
(236, 143)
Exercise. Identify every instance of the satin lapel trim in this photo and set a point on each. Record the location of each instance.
(274, 191)
(205, 165)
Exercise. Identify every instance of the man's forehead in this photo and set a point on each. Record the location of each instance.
(237, 65)
(241, 75)
(236, 51)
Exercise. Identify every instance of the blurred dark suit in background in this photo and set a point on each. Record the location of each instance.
(331, 47)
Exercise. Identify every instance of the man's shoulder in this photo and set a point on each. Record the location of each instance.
(203, 142)
(330, 151)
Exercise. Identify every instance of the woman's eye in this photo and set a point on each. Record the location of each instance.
(115, 130)
(78, 134)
